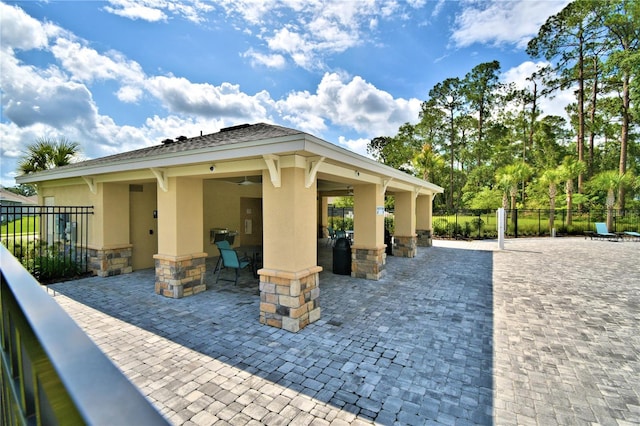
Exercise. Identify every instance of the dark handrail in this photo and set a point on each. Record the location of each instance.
(96, 390)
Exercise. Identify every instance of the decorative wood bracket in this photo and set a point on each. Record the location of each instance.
(162, 178)
(313, 164)
(273, 164)
(385, 184)
(92, 184)
(416, 192)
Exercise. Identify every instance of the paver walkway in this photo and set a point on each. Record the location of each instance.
(545, 332)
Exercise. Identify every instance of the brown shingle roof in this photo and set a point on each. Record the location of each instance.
(227, 136)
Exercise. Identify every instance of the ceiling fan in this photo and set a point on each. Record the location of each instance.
(246, 182)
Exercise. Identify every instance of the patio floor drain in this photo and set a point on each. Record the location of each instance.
(334, 323)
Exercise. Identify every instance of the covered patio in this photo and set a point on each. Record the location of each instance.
(456, 336)
(157, 207)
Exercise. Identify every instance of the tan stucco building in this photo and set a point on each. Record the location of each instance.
(156, 207)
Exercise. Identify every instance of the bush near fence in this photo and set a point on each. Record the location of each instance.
(50, 241)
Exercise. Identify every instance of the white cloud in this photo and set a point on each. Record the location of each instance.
(19, 30)
(31, 95)
(498, 22)
(359, 146)
(159, 10)
(179, 95)
(270, 61)
(549, 106)
(129, 94)
(354, 104)
(86, 64)
(307, 31)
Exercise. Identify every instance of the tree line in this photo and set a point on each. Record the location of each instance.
(490, 144)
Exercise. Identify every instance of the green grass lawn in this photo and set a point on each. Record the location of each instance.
(25, 225)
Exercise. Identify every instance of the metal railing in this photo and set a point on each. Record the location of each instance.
(52, 373)
(529, 222)
(51, 241)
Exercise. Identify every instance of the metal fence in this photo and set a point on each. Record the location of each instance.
(465, 224)
(52, 373)
(50, 241)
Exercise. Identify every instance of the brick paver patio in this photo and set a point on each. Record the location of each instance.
(545, 332)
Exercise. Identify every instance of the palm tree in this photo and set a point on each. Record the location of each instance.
(427, 161)
(551, 178)
(569, 170)
(610, 181)
(508, 178)
(46, 153)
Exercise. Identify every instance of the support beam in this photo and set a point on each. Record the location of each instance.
(273, 165)
(385, 184)
(313, 164)
(161, 176)
(92, 184)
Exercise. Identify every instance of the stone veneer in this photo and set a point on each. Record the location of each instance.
(368, 263)
(424, 237)
(405, 246)
(289, 300)
(180, 276)
(112, 261)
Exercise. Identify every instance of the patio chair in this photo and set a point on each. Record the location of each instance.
(231, 260)
(331, 235)
(632, 235)
(221, 244)
(603, 232)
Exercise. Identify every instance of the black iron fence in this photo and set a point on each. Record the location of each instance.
(340, 217)
(50, 241)
(52, 373)
(532, 222)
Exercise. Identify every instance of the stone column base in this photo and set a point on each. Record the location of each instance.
(180, 276)
(404, 246)
(424, 238)
(289, 300)
(106, 262)
(367, 262)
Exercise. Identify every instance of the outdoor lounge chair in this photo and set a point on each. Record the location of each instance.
(230, 259)
(632, 235)
(603, 232)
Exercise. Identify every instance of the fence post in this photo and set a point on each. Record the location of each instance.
(539, 219)
(515, 224)
(501, 216)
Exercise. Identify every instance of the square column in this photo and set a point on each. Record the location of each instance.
(180, 262)
(424, 209)
(289, 280)
(368, 257)
(110, 249)
(404, 238)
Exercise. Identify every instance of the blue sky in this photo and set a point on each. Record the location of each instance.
(123, 74)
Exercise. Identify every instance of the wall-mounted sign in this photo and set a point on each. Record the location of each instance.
(380, 211)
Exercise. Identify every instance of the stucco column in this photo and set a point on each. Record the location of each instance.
(368, 257)
(180, 262)
(424, 209)
(404, 237)
(110, 248)
(289, 280)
